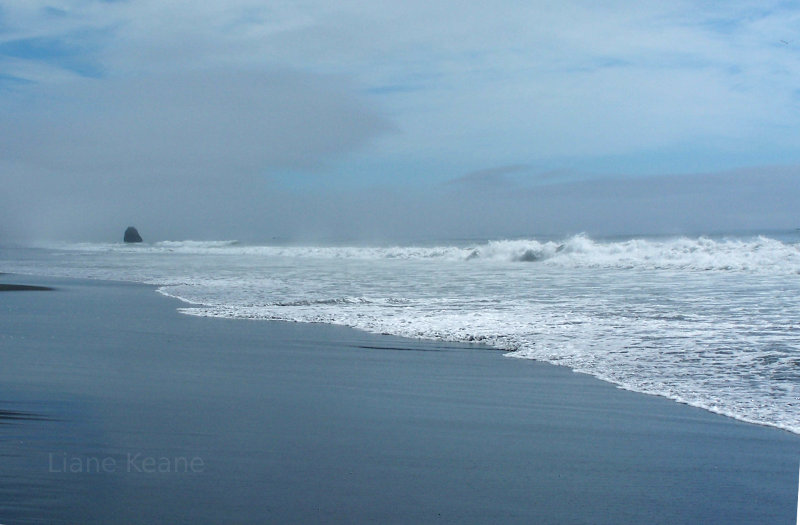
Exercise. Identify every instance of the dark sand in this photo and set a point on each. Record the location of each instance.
(294, 423)
(23, 288)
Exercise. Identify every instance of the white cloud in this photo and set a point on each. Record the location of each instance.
(201, 123)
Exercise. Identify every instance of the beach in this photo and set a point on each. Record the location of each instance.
(115, 407)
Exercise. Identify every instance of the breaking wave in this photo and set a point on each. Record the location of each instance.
(759, 254)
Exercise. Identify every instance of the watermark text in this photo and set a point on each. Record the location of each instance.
(132, 462)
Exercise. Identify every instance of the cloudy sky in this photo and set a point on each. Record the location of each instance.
(379, 120)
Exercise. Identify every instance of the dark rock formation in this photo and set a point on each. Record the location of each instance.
(23, 288)
(131, 235)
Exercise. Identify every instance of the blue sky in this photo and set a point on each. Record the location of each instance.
(360, 102)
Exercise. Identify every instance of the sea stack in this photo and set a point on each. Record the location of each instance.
(131, 235)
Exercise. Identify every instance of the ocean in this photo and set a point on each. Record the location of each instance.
(711, 321)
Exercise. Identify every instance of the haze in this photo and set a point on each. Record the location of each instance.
(396, 120)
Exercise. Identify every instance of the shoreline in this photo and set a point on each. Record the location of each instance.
(189, 305)
(332, 424)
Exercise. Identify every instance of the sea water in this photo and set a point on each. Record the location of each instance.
(713, 322)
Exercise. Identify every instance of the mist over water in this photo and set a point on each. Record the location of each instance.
(706, 321)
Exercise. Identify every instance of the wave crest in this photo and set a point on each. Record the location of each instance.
(759, 254)
(702, 254)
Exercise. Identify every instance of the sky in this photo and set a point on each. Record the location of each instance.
(375, 120)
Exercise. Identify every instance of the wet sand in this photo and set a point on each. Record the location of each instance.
(114, 408)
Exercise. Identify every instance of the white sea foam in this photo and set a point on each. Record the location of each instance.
(709, 322)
